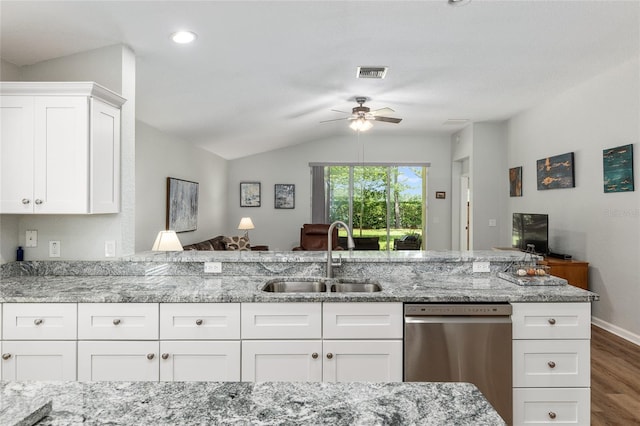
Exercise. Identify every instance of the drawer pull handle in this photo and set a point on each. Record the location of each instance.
(26, 201)
(551, 364)
(39, 201)
(314, 355)
(199, 322)
(6, 356)
(164, 355)
(38, 321)
(552, 321)
(552, 415)
(329, 355)
(116, 321)
(151, 356)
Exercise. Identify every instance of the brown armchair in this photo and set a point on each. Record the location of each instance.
(313, 236)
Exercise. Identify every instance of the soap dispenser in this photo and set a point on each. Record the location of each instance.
(20, 254)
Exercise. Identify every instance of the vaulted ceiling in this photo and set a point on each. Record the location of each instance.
(263, 74)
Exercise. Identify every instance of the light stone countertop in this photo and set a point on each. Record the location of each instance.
(266, 403)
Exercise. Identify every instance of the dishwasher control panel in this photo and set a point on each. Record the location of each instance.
(457, 309)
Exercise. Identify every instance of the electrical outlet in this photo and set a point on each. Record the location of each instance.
(212, 267)
(109, 248)
(31, 238)
(54, 248)
(481, 267)
(492, 222)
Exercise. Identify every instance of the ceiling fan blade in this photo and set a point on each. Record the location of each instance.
(385, 110)
(388, 119)
(343, 112)
(335, 119)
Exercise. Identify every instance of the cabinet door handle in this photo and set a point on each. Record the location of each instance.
(551, 364)
(164, 355)
(116, 321)
(151, 356)
(38, 201)
(26, 201)
(552, 415)
(6, 356)
(199, 322)
(314, 355)
(329, 355)
(552, 321)
(38, 321)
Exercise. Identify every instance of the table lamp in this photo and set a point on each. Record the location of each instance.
(246, 224)
(167, 241)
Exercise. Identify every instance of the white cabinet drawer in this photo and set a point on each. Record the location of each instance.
(118, 321)
(362, 320)
(39, 321)
(281, 320)
(541, 406)
(551, 363)
(118, 361)
(191, 321)
(551, 320)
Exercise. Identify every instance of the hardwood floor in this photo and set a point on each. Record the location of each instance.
(615, 380)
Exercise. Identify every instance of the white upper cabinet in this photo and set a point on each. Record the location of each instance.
(59, 148)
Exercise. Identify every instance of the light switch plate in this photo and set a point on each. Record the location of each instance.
(31, 239)
(109, 248)
(212, 267)
(54, 248)
(481, 267)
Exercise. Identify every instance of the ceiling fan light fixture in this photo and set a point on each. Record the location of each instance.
(183, 37)
(361, 124)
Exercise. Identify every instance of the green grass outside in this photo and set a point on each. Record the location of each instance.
(381, 234)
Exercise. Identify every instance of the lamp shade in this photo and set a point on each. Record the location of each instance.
(167, 241)
(246, 223)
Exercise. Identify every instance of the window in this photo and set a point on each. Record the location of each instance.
(387, 201)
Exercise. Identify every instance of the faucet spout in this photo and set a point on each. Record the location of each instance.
(350, 244)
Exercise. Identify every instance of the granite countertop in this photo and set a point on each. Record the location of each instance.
(190, 403)
(425, 287)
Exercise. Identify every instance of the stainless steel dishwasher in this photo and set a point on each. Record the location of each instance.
(461, 343)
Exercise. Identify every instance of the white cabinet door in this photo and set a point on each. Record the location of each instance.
(61, 154)
(281, 320)
(217, 361)
(35, 321)
(282, 361)
(105, 158)
(195, 321)
(362, 361)
(118, 361)
(118, 321)
(16, 154)
(38, 360)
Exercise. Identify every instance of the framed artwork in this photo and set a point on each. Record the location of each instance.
(249, 194)
(182, 205)
(441, 195)
(285, 196)
(617, 167)
(515, 182)
(556, 172)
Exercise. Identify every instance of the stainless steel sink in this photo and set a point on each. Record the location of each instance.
(355, 287)
(297, 286)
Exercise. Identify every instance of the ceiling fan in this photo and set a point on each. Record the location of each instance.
(362, 116)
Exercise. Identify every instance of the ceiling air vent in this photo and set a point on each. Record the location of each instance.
(371, 72)
(455, 121)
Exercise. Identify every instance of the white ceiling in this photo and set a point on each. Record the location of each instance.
(263, 74)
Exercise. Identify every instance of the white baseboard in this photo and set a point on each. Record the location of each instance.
(618, 331)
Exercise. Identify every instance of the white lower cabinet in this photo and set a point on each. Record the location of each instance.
(215, 361)
(38, 360)
(282, 360)
(551, 363)
(118, 361)
(362, 361)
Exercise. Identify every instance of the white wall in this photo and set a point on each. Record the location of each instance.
(8, 71)
(602, 229)
(83, 237)
(280, 229)
(159, 156)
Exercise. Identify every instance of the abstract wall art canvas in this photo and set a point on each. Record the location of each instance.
(617, 166)
(182, 205)
(556, 172)
(515, 182)
(285, 196)
(250, 194)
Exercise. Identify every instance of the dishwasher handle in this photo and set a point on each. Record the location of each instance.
(448, 319)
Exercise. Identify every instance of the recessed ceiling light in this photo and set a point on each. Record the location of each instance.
(183, 37)
(458, 2)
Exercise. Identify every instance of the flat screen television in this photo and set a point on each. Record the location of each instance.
(531, 228)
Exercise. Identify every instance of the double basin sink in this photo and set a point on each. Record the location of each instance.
(321, 285)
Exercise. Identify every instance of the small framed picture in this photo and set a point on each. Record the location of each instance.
(285, 196)
(441, 194)
(249, 194)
